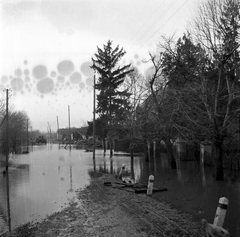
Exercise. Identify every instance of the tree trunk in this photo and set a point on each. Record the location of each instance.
(104, 141)
(146, 151)
(131, 152)
(170, 154)
(111, 145)
(132, 143)
(219, 160)
(111, 166)
(132, 168)
(104, 145)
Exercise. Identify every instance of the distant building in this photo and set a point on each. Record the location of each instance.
(76, 134)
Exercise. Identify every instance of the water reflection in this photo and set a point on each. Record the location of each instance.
(44, 181)
(192, 188)
(5, 213)
(40, 183)
(203, 174)
(111, 165)
(94, 165)
(132, 169)
(71, 186)
(8, 203)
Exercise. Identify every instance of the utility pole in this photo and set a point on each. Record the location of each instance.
(239, 135)
(94, 115)
(58, 133)
(27, 136)
(69, 127)
(32, 137)
(50, 133)
(7, 141)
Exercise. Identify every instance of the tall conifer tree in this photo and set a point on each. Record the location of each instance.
(111, 100)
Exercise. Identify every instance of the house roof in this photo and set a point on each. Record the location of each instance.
(81, 131)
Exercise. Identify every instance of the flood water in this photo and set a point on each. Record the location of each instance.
(44, 181)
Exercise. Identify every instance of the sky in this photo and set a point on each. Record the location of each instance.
(46, 48)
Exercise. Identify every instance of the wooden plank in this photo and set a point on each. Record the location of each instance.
(144, 190)
(124, 184)
(107, 183)
(126, 189)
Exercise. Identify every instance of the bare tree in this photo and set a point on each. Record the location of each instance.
(216, 27)
(135, 85)
(163, 98)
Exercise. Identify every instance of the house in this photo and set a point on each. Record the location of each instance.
(76, 134)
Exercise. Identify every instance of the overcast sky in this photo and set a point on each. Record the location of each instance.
(46, 48)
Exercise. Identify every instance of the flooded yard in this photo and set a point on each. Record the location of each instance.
(44, 181)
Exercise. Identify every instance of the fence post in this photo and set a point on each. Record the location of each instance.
(221, 212)
(154, 149)
(121, 171)
(149, 149)
(150, 185)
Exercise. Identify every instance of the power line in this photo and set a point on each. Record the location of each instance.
(146, 22)
(3, 120)
(160, 16)
(162, 25)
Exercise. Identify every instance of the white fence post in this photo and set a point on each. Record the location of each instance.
(121, 171)
(150, 185)
(221, 212)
